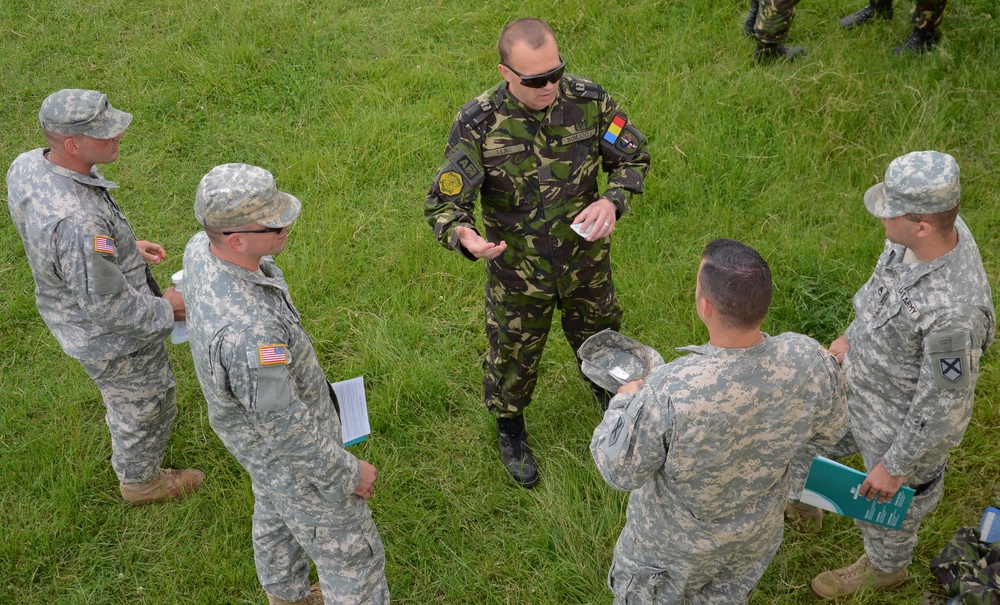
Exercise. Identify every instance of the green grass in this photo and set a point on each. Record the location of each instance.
(349, 105)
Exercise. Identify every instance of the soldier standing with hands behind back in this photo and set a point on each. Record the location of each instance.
(94, 289)
(531, 148)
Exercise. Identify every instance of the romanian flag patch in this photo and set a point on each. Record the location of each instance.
(272, 354)
(615, 129)
(105, 244)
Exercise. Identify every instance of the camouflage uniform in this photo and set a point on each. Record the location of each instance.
(96, 295)
(535, 171)
(915, 344)
(269, 403)
(926, 15)
(705, 514)
(774, 18)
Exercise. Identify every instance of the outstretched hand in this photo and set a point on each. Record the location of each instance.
(477, 246)
(152, 252)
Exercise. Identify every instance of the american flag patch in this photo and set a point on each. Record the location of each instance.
(272, 354)
(105, 244)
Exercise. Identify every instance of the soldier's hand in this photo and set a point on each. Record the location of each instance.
(152, 252)
(839, 347)
(176, 300)
(477, 246)
(631, 387)
(601, 214)
(366, 485)
(880, 484)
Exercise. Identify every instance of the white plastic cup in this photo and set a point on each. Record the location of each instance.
(180, 333)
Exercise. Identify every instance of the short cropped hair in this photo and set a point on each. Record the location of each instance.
(534, 32)
(942, 222)
(736, 279)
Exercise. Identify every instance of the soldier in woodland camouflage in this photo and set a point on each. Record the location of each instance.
(911, 357)
(94, 289)
(926, 17)
(769, 21)
(269, 401)
(705, 441)
(531, 149)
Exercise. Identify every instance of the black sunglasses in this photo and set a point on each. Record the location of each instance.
(265, 230)
(540, 80)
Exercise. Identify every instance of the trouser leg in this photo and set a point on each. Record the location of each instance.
(140, 400)
(282, 563)
(517, 326)
(891, 550)
(774, 18)
(926, 15)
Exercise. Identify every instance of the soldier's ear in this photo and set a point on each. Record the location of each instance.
(506, 72)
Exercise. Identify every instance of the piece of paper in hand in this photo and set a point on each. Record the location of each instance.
(353, 409)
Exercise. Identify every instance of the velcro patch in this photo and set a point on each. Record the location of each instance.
(466, 165)
(272, 354)
(950, 359)
(104, 244)
(450, 183)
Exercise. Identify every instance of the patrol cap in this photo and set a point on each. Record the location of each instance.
(611, 359)
(86, 112)
(233, 195)
(921, 182)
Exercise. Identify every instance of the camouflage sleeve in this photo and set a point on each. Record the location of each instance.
(942, 405)
(99, 287)
(624, 155)
(451, 200)
(631, 443)
(832, 416)
(285, 422)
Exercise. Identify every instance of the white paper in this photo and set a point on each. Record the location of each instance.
(353, 409)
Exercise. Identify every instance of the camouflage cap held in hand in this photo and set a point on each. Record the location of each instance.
(611, 359)
(921, 182)
(234, 195)
(86, 112)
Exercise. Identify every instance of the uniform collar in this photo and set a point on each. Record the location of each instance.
(711, 350)
(93, 180)
(894, 260)
(550, 115)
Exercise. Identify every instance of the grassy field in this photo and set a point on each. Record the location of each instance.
(349, 105)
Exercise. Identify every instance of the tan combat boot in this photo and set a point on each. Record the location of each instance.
(806, 517)
(315, 597)
(168, 484)
(851, 579)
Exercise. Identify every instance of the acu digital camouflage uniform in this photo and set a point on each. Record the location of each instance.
(704, 445)
(535, 171)
(269, 403)
(915, 344)
(97, 296)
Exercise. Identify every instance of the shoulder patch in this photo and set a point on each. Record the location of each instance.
(272, 354)
(450, 183)
(615, 129)
(950, 359)
(581, 87)
(104, 244)
(474, 112)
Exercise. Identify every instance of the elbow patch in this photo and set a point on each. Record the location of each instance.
(950, 359)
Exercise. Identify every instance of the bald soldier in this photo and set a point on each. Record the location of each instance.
(94, 289)
(531, 149)
(705, 442)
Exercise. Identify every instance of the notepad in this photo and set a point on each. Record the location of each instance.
(353, 409)
(836, 488)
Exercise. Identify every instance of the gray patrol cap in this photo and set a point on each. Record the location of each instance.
(921, 182)
(233, 195)
(86, 112)
(611, 359)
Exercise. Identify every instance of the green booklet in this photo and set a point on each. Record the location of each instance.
(834, 487)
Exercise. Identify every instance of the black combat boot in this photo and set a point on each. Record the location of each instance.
(768, 52)
(514, 451)
(751, 18)
(918, 42)
(883, 10)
